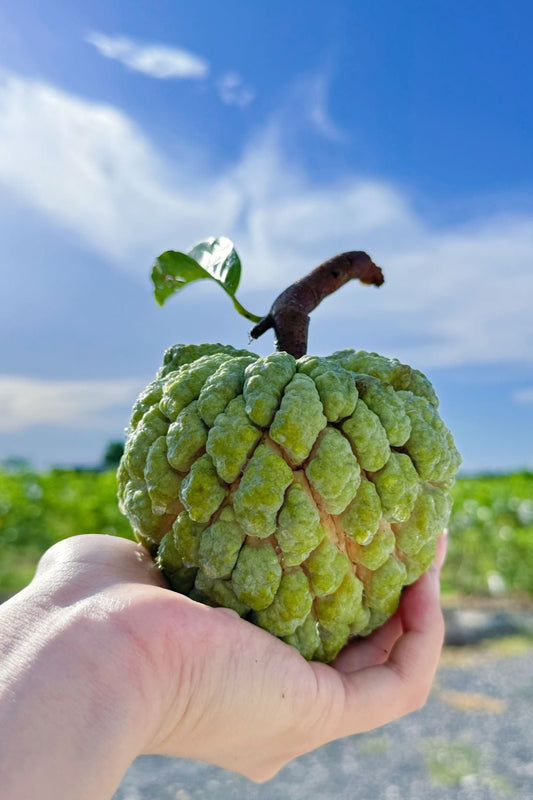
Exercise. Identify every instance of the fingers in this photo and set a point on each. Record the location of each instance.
(440, 555)
(377, 694)
(415, 657)
(375, 649)
(110, 558)
(372, 650)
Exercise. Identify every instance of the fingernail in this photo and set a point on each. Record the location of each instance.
(440, 555)
(434, 574)
(229, 612)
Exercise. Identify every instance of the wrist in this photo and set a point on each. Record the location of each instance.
(70, 698)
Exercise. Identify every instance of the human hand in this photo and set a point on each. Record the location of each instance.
(160, 673)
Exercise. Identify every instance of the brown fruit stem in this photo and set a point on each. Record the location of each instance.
(289, 314)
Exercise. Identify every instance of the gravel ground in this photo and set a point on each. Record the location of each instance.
(473, 740)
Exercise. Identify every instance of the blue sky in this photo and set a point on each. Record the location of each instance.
(299, 130)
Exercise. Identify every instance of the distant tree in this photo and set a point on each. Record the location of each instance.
(112, 454)
(16, 464)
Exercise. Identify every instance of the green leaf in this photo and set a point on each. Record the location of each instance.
(172, 271)
(216, 258)
(219, 258)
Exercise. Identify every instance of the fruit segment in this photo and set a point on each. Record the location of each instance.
(201, 492)
(361, 519)
(259, 495)
(186, 534)
(162, 482)
(186, 438)
(185, 385)
(221, 387)
(220, 545)
(326, 566)
(385, 403)
(265, 380)
(290, 607)
(231, 440)
(152, 425)
(299, 419)
(257, 575)
(367, 437)
(397, 484)
(306, 637)
(299, 528)
(336, 386)
(334, 472)
(428, 444)
(375, 554)
(341, 608)
(217, 592)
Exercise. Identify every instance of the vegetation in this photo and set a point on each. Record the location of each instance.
(491, 530)
(39, 509)
(112, 454)
(491, 536)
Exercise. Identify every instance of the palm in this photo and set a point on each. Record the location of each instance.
(218, 688)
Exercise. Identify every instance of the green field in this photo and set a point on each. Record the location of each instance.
(491, 530)
(491, 536)
(38, 509)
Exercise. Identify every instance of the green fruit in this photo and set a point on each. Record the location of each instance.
(303, 493)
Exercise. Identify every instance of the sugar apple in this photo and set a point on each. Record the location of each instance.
(304, 493)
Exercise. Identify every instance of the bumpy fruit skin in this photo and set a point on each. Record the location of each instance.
(304, 494)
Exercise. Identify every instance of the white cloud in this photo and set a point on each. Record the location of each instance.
(318, 113)
(92, 170)
(304, 108)
(455, 294)
(524, 396)
(233, 91)
(155, 60)
(25, 402)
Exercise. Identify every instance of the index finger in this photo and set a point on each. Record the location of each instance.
(402, 683)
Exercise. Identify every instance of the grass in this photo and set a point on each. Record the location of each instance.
(491, 530)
